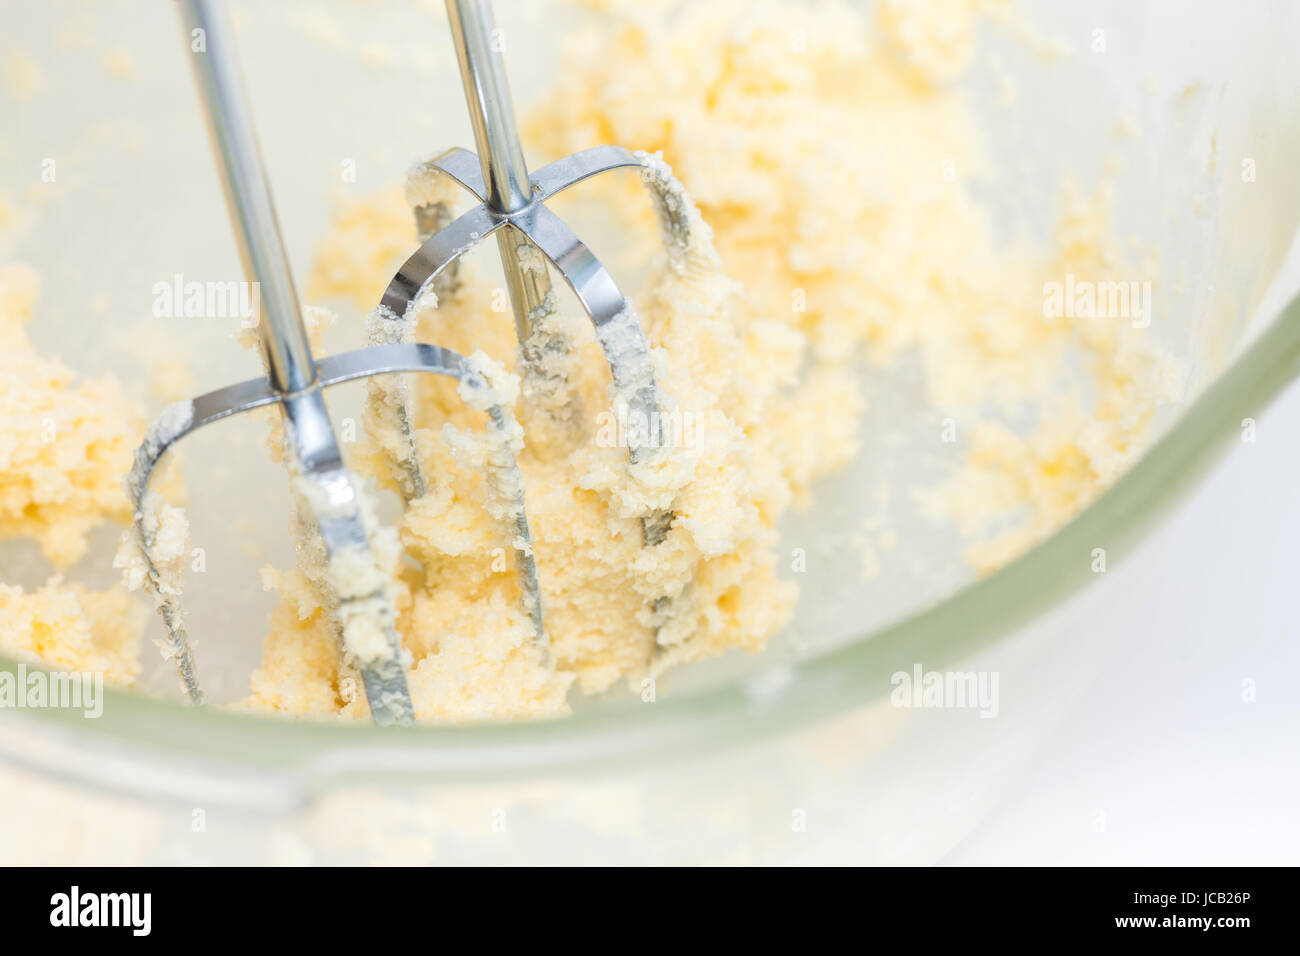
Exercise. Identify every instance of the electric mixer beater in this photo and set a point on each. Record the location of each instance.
(328, 497)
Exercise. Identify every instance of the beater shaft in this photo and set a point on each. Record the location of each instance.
(492, 115)
(325, 487)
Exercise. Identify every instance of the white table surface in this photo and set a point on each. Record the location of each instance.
(1163, 761)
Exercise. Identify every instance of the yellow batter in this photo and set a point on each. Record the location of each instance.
(827, 158)
(462, 616)
(64, 446)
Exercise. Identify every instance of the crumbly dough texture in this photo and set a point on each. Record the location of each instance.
(463, 618)
(829, 157)
(64, 446)
(71, 628)
(66, 441)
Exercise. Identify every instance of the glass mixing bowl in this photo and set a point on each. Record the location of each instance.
(792, 754)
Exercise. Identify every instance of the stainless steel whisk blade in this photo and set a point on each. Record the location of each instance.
(512, 206)
(325, 490)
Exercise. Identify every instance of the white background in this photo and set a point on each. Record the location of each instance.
(1163, 762)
